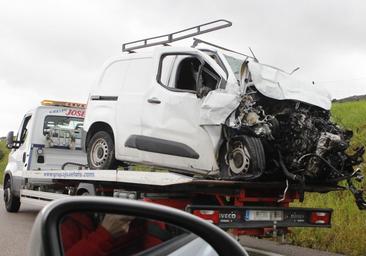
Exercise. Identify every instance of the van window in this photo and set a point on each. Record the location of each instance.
(179, 71)
(65, 123)
(166, 70)
(23, 132)
(63, 132)
(209, 78)
(187, 73)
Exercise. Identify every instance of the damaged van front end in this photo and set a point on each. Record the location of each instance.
(278, 128)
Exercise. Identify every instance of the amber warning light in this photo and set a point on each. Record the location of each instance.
(62, 104)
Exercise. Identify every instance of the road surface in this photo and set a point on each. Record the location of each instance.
(16, 228)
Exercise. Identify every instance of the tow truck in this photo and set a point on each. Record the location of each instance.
(46, 163)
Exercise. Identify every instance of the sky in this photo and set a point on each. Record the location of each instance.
(55, 49)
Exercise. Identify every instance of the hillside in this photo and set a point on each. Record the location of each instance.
(347, 234)
(351, 98)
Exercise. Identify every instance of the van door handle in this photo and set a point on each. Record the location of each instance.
(154, 100)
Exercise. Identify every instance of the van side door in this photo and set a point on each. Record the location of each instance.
(171, 131)
(137, 82)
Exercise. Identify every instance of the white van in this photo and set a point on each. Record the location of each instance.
(150, 111)
(211, 111)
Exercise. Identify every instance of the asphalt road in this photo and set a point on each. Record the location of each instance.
(15, 229)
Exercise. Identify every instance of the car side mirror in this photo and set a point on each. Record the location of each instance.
(124, 226)
(10, 140)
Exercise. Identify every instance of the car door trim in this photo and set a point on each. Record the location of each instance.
(155, 145)
(106, 98)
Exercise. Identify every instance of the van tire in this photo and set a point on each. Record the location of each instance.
(254, 148)
(12, 202)
(101, 152)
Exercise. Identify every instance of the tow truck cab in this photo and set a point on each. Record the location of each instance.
(49, 136)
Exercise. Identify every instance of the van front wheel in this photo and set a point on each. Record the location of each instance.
(100, 152)
(12, 202)
(244, 160)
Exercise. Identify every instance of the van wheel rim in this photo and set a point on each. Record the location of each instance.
(99, 152)
(240, 161)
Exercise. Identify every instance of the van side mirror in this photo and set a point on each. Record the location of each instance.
(10, 140)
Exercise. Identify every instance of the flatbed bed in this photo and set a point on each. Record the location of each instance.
(164, 181)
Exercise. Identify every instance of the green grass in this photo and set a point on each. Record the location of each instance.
(348, 232)
(4, 160)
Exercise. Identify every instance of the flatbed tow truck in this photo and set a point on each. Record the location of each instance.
(46, 163)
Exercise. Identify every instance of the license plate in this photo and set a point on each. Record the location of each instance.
(258, 215)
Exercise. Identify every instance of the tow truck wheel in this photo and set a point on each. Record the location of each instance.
(245, 159)
(12, 202)
(100, 152)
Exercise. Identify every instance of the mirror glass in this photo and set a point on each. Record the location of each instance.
(10, 140)
(96, 233)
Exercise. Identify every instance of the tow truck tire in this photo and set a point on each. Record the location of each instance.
(249, 152)
(12, 202)
(100, 152)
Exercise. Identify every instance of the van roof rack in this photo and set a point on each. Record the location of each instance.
(176, 36)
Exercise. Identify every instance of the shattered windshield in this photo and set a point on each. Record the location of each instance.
(235, 64)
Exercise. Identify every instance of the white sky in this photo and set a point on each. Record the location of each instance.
(54, 49)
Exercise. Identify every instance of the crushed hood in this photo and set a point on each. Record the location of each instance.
(269, 81)
(276, 84)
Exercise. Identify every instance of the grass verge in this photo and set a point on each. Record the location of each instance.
(4, 159)
(348, 232)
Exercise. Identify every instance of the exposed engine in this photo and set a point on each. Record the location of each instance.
(299, 141)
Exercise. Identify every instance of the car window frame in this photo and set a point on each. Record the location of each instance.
(158, 75)
(210, 73)
(218, 60)
(24, 124)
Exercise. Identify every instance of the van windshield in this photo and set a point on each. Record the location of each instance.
(62, 123)
(235, 64)
(63, 132)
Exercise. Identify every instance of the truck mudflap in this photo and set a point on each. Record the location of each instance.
(253, 217)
